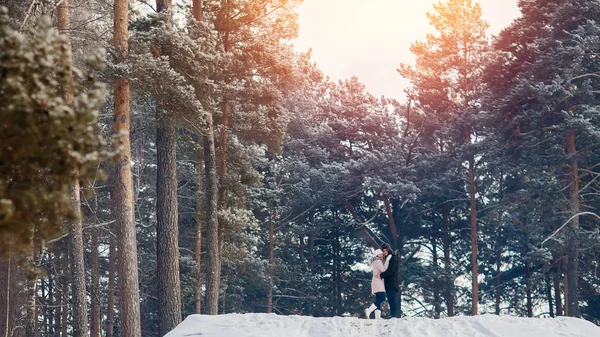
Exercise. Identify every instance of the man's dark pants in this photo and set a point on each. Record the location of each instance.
(392, 297)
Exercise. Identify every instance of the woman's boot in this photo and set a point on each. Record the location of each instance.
(369, 310)
(377, 314)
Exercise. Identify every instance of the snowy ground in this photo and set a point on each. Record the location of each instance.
(271, 325)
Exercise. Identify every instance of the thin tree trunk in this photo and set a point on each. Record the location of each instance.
(549, 294)
(556, 281)
(566, 292)
(224, 127)
(200, 213)
(31, 309)
(573, 245)
(363, 231)
(337, 271)
(122, 196)
(447, 261)
(44, 303)
(271, 261)
(51, 294)
(213, 270)
(95, 273)
(64, 269)
(473, 212)
(437, 301)
(213, 267)
(311, 248)
(79, 306)
(5, 296)
(529, 303)
(110, 302)
(498, 273)
(79, 309)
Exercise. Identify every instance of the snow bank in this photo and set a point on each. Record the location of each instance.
(271, 325)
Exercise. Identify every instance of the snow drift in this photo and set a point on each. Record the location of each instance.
(271, 325)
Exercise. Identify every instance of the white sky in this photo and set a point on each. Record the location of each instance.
(370, 38)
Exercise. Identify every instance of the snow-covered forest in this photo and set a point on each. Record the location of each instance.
(160, 159)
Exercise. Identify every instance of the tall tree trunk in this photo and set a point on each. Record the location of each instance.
(529, 303)
(51, 295)
(437, 301)
(573, 245)
(122, 196)
(95, 326)
(311, 248)
(79, 309)
(213, 267)
(5, 312)
(556, 280)
(549, 294)
(64, 270)
(498, 273)
(31, 309)
(449, 278)
(110, 302)
(271, 261)
(44, 303)
(79, 306)
(213, 270)
(473, 212)
(337, 271)
(167, 229)
(200, 213)
(224, 125)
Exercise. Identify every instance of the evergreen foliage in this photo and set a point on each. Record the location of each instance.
(44, 140)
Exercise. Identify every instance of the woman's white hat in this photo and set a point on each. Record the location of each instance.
(378, 251)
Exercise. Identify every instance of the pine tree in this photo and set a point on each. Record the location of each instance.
(546, 104)
(167, 227)
(447, 82)
(122, 190)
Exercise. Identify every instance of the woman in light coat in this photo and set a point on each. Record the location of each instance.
(379, 264)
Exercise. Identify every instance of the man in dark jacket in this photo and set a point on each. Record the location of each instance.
(390, 279)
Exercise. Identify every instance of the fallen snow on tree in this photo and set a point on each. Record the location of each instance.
(271, 325)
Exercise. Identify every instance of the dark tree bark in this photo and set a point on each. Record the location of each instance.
(213, 265)
(474, 246)
(167, 229)
(271, 261)
(529, 303)
(549, 295)
(122, 192)
(31, 324)
(110, 302)
(95, 323)
(449, 278)
(213, 270)
(557, 262)
(5, 303)
(200, 213)
(437, 301)
(573, 244)
(79, 306)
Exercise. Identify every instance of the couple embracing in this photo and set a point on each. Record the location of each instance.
(384, 282)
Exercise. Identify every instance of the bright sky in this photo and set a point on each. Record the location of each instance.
(370, 38)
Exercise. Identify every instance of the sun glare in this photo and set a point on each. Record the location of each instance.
(369, 38)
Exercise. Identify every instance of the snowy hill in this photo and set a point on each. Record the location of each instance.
(271, 325)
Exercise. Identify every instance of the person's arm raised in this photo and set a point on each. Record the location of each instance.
(392, 268)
